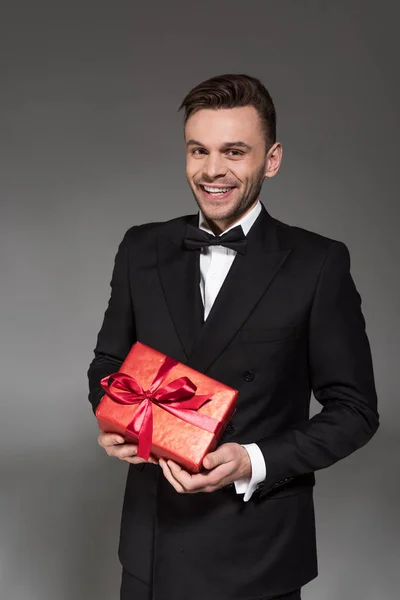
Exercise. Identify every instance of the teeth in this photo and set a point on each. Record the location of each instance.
(217, 190)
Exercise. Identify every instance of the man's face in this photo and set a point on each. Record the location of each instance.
(226, 162)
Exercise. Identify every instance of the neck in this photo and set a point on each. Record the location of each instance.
(217, 227)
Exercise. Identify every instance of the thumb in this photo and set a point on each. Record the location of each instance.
(216, 458)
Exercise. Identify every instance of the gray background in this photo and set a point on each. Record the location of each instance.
(91, 143)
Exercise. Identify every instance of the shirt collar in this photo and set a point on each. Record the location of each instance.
(246, 222)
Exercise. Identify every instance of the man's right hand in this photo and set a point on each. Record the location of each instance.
(115, 445)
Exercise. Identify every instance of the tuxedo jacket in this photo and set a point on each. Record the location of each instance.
(286, 322)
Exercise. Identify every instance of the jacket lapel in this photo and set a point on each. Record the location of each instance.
(246, 282)
(179, 272)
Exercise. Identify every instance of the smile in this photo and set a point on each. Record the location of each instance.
(216, 192)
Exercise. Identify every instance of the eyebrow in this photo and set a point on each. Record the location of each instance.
(226, 145)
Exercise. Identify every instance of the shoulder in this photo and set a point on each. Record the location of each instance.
(147, 233)
(309, 242)
(312, 251)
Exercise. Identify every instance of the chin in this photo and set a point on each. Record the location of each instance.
(215, 211)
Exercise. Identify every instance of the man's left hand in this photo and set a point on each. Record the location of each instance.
(225, 465)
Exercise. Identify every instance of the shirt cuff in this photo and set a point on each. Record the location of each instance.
(247, 485)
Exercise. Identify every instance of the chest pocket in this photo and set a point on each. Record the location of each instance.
(254, 335)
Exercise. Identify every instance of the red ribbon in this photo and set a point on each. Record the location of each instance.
(170, 398)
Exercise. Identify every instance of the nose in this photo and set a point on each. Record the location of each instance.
(214, 166)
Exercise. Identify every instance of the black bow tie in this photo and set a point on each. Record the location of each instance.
(196, 238)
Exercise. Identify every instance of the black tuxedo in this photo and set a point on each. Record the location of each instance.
(286, 322)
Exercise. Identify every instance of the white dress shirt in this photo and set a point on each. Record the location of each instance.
(215, 262)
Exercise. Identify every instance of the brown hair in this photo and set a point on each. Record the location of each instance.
(231, 91)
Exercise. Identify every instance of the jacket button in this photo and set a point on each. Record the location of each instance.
(248, 375)
(229, 428)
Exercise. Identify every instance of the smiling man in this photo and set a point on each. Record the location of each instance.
(267, 308)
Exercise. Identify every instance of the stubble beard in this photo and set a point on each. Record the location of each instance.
(241, 206)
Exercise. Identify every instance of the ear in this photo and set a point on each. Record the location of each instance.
(273, 160)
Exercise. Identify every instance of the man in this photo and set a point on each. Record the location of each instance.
(266, 308)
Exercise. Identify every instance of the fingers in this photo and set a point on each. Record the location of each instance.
(220, 464)
(152, 459)
(185, 482)
(121, 451)
(224, 466)
(168, 475)
(106, 440)
(134, 460)
(114, 444)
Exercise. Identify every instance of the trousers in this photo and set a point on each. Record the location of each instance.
(134, 589)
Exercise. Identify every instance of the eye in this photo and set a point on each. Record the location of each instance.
(197, 151)
(236, 152)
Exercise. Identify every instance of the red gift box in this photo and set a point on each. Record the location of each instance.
(166, 407)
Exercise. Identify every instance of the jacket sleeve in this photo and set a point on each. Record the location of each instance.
(118, 332)
(342, 380)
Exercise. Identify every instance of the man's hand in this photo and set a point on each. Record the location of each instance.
(228, 463)
(114, 444)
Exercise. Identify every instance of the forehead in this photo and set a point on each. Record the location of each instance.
(220, 125)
